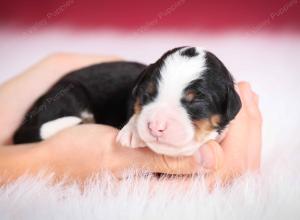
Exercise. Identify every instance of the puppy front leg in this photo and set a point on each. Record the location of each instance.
(128, 135)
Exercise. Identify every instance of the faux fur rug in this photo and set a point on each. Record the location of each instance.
(271, 64)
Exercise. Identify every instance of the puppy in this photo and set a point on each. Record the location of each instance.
(181, 101)
(173, 106)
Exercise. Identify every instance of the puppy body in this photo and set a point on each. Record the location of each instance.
(172, 106)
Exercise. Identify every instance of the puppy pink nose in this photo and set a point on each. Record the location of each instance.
(157, 128)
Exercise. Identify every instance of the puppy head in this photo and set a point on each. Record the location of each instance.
(184, 99)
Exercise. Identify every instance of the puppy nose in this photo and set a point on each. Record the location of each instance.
(157, 128)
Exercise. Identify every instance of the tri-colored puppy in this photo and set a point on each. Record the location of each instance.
(172, 106)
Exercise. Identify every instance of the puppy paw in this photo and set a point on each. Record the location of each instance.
(128, 136)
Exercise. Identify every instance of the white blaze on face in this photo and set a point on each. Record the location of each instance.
(166, 110)
(177, 73)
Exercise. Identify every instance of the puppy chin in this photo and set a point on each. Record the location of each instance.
(169, 150)
(187, 149)
(181, 144)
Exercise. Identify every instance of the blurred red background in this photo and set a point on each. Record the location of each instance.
(156, 14)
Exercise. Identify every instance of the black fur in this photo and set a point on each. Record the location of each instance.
(103, 89)
(190, 52)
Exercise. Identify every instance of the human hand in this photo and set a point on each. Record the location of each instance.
(240, 150)
(84, 150)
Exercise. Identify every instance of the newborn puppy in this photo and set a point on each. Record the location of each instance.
(181, 101)
(172, 106)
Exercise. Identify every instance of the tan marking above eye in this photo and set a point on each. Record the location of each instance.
(189, 96)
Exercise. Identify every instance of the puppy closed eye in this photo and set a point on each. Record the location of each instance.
(196, 105)
(191, 98)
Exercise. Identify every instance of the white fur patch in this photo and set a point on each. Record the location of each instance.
(177, 72)
(128, 136)
(52, 127)
(87, 117)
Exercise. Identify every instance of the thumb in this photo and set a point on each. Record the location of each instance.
(212, 156)
(182, 165)
(209, 158)
(144, 158)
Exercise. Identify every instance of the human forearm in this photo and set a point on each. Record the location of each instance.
(18, 160)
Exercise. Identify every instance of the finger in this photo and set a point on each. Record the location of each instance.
(220, 177)
(248, 96)
(245, 93)
(221, 173)
(176, 165)
(145, 159)
(249, 101)
(212, 156)
(209, 159)
(256, 98)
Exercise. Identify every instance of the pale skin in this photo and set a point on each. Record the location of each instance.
(82, 151)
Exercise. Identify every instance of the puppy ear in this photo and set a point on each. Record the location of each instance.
(133, 99)
(234, 103)
(137, 84)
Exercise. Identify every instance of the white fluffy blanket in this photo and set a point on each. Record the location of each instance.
(270, 63)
